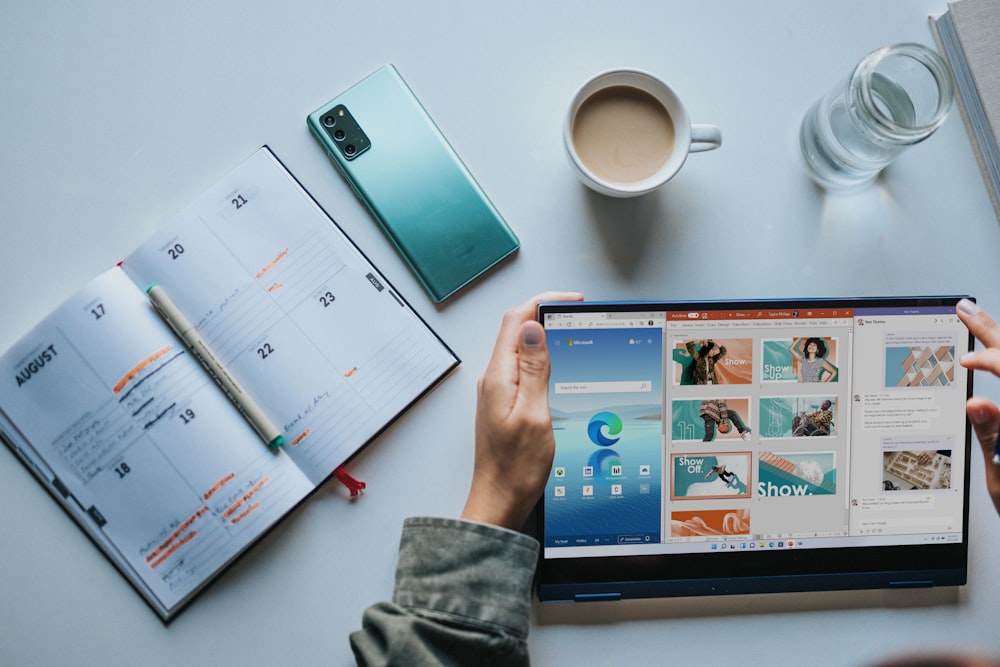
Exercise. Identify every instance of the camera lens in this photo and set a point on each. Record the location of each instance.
(339, 135)
(350, 150)
(329, 120)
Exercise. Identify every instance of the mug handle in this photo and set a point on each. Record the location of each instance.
(705, 138)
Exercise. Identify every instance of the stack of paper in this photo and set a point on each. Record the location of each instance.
(967, 35)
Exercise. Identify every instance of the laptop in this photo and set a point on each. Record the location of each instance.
(732, 447)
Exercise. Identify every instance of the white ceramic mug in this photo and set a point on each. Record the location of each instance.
(627, 133)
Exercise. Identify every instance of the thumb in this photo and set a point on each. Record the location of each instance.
(985, 418)
(533, 363)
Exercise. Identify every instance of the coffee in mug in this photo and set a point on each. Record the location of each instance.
(627, 133)
(623, 134)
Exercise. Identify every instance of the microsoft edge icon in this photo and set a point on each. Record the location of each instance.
(602, 425)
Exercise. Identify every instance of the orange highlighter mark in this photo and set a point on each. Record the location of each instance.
(242, 515)
(184, 540)
(138, 369)
(275, 287)
(351, 372)
(169, 546)
(274, 262)
(218, 485)
(302, 436)
(246, 498)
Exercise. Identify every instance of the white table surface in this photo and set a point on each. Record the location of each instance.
(114, 115)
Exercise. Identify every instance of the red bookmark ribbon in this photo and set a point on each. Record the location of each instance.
(355, 486)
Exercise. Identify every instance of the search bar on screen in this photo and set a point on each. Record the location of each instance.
(618, 387)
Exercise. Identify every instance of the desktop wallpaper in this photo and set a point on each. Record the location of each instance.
(606, 480)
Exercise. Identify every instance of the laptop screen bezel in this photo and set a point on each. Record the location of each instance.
(744, 571)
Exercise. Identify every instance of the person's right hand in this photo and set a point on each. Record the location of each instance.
(983, 413)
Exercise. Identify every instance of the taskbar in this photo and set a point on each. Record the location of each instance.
(611, 539)
(744, 543)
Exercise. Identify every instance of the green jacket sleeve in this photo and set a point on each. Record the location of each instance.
(462, 597)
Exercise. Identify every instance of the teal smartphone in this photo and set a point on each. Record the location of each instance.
(402, 167)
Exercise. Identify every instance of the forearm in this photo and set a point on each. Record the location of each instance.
(462, 595)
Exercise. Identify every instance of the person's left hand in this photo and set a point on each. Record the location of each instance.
(514, 441)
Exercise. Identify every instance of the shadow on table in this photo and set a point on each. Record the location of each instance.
(607, 613)
(627, 227)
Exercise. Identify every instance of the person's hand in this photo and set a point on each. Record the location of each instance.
(983, 413)
(924, 458)
(514, 441)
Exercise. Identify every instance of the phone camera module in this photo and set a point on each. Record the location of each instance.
(344, 132)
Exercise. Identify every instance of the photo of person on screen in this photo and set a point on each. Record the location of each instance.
(817, 422)
(811, 356)
(727, 477)
(717, 414)
(705, 354)
(711, 361)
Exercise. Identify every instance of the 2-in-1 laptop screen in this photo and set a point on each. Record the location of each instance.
(755, 446)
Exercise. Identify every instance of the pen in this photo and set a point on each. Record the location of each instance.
(243, 402)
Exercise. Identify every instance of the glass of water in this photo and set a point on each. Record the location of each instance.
(896, 96)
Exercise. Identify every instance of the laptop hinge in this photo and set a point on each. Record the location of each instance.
(917, 583)
(596, 597)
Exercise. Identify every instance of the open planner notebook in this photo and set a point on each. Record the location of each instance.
(115, 416)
